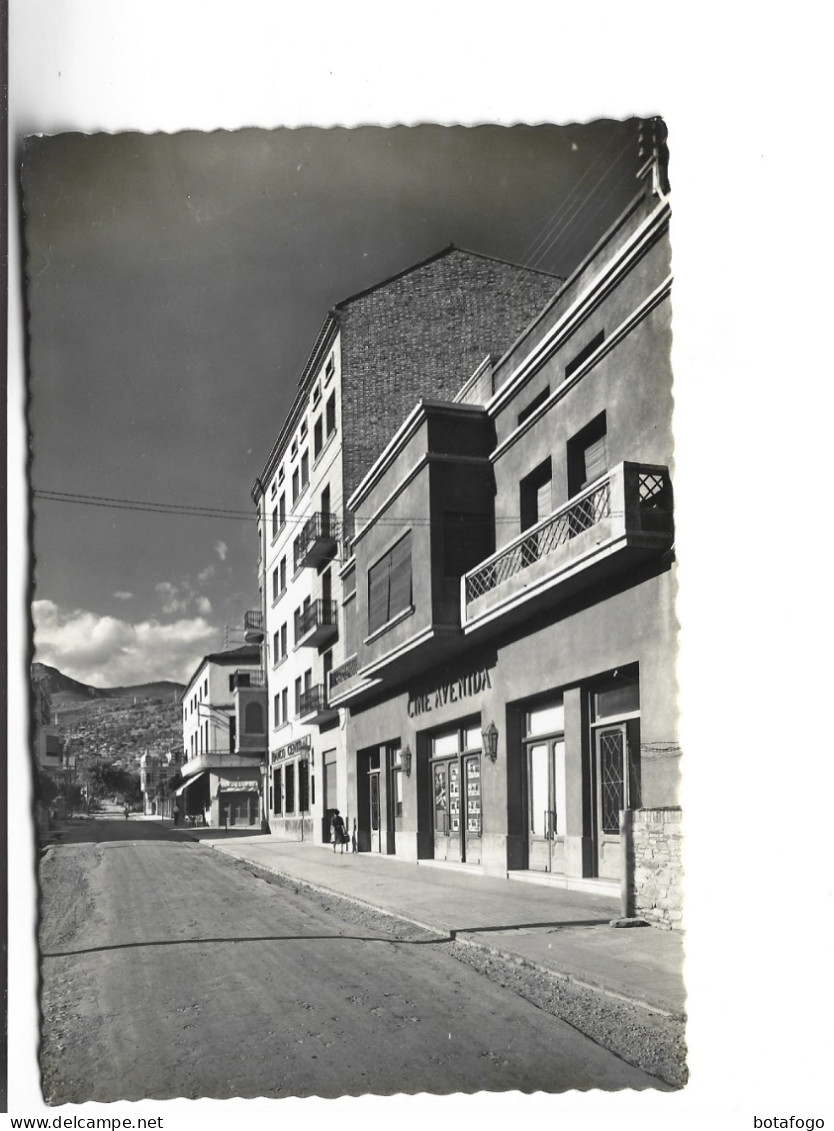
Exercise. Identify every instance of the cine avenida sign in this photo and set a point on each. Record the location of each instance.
(419, 703)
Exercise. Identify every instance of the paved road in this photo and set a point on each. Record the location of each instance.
(170, 970)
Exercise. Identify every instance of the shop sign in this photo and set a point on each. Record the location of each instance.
(472, 684)
(300, 745)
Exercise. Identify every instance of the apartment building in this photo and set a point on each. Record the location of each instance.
(511, 692)
(224, 740)
(419, 333)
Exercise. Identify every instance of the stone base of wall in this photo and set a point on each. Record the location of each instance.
(657, 867)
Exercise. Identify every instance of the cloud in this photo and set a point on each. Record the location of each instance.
(222, 550)
(174, 598)
(108, 652)
(124, 596)
(204, 605)
(205, 574)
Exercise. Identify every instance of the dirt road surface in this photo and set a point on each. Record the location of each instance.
(169, 970)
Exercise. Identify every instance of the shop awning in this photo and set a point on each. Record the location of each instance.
(190, 781)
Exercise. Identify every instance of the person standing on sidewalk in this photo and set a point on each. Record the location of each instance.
(337, 831)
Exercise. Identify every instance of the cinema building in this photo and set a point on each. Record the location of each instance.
(510, 599)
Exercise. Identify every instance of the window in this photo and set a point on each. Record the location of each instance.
(535, 495)
(296, 491)
(316, 394)
(305, 469)
(274, 522)
(294, 449)
(272, 489)
(330, 414)
(276, 586)
(280, 476)
(303, 431)
(282, 510)
(284, 704)
(276, 647)
(389, 585)
(276, 709)
(253, 718)
(584, 353)
(537, 400)
(298, 696)
(282, 565)
(587, 455)
(276, 790)
(330, 369)
(283, 640)
(317, 438)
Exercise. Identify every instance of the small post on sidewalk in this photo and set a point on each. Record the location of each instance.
(627, 918)
(627, 846)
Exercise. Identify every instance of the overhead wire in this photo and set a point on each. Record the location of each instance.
(474, 521)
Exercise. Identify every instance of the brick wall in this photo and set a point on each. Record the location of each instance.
(658, 867)
(422, 335)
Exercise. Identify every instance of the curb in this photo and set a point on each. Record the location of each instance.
(446, 935)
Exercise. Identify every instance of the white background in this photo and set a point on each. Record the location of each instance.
(741, 89)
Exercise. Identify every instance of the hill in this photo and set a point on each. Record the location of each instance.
(62, 688)
(115, 723)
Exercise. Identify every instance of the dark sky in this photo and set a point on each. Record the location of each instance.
(176, 284)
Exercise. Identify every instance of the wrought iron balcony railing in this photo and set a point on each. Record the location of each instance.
(319, 618)
(314, 705)
(318, 539)
(253, 626)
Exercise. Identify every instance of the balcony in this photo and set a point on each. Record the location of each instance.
(317, 541)
(616, 522)
(247, 677)
(317, 624)
(253, 626)
(346, 682)
(218, 760)
(314, 707)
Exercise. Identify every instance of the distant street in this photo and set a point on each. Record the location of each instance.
(170, 970)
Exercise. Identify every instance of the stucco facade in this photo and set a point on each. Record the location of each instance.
(224, 740)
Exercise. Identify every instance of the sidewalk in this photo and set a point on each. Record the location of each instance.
(565, 932)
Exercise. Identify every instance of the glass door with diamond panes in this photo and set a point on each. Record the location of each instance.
(615, 709)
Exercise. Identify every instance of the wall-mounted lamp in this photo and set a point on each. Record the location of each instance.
(406, 760)
(490, 737)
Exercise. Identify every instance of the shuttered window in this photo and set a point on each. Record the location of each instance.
(596, 460)
(389, 585)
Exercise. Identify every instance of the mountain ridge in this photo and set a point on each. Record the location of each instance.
(63, 687)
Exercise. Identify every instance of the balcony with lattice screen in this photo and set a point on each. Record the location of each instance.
(620, 518)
